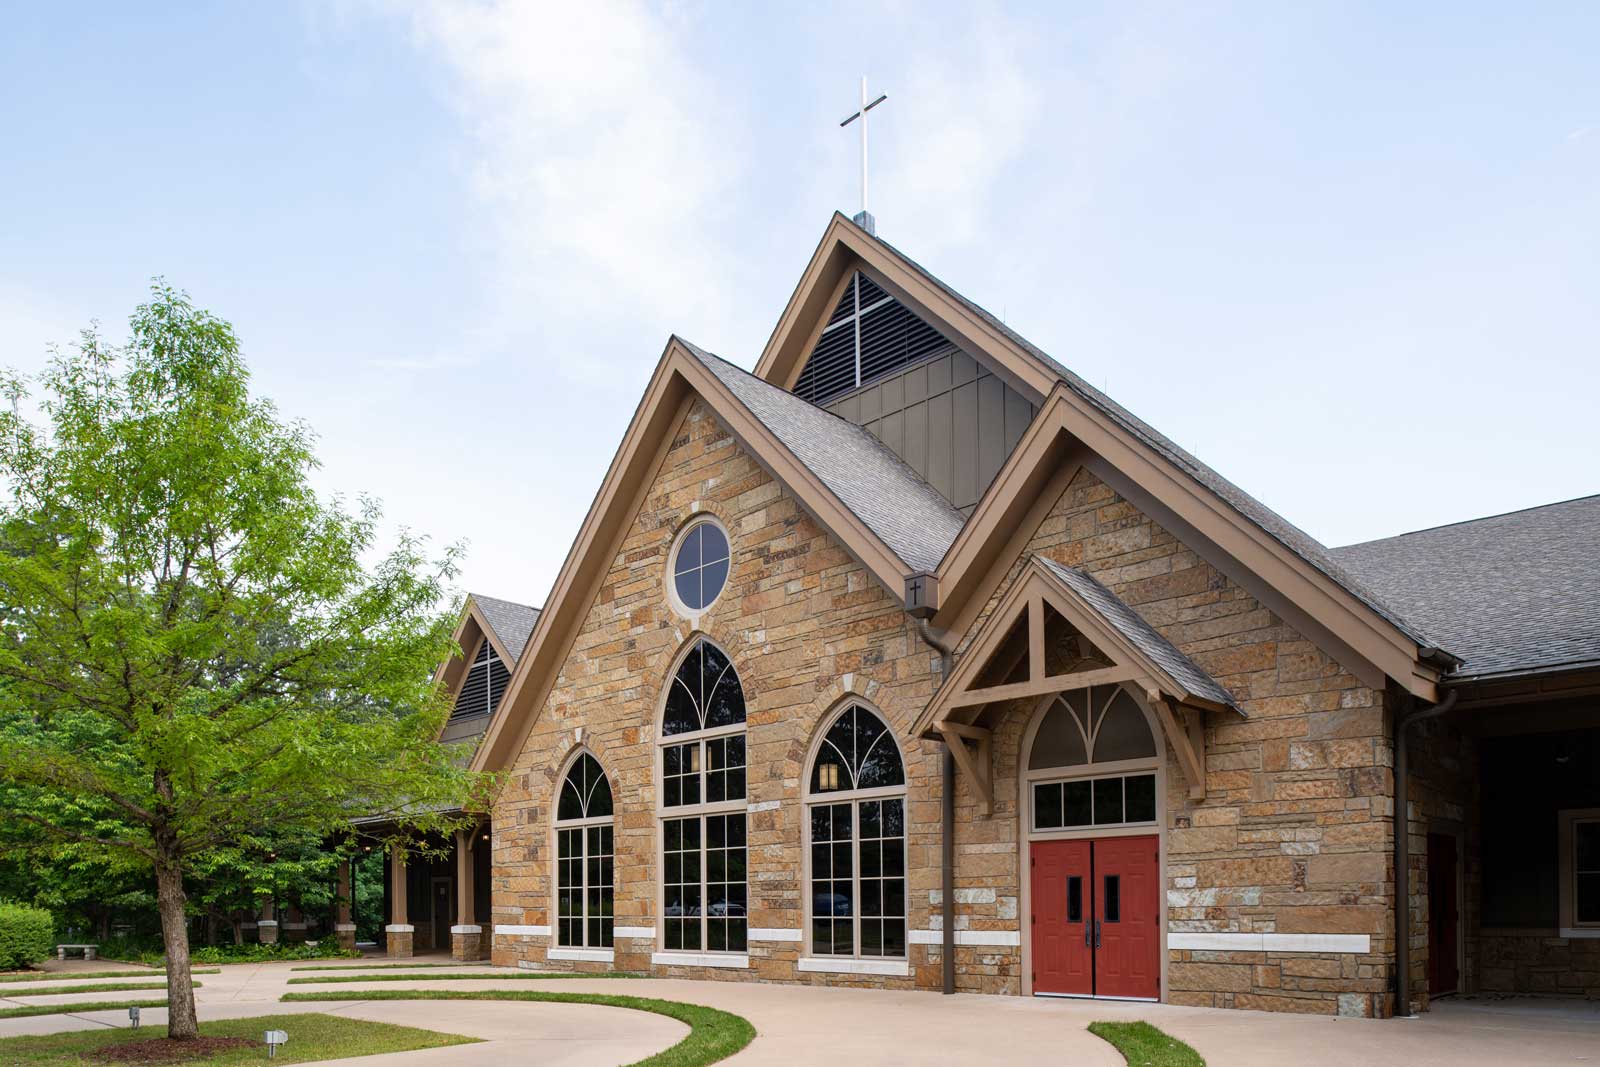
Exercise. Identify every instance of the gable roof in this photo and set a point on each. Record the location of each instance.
(1508, 593)
(1283, 566)
(894, 501)
(1161, 653)
(510, 621)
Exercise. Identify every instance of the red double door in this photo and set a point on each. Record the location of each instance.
(1097, 917)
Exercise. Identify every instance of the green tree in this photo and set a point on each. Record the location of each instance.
(197, 650)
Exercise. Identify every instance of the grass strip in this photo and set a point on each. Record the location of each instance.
(374, 966)
(1142, 1045)
(713, 1035)
(68, 976)
(477, 976)
(72, 1009)
(107, 987)
(312, 1036)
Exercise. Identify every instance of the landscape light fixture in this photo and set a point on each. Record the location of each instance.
(274, 1038)
(133, 1017)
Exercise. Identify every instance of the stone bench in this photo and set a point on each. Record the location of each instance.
(89, 951)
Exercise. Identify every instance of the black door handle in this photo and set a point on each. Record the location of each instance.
(1097, 933)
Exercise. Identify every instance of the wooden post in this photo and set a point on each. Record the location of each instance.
(399, 930)
(344, 927)
(466, 936)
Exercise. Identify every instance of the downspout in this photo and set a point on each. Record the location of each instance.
(1402, 846)
(947, 837)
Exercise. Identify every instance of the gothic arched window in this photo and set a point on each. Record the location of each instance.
(585, 882)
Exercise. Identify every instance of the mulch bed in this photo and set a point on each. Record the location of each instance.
(167, 1050)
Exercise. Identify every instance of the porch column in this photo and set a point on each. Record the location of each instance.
(294, 924)
(466, 936)
(344, 927)
(267, 925)
(399, 930)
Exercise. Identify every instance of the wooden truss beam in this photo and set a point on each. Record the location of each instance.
(978, 770)
(1186, 730)
(1040, 686)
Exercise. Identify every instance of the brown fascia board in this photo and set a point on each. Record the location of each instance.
(678, 377)
(1069, 431)
(471, 627)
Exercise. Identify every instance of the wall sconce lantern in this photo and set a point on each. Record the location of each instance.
(829, 775)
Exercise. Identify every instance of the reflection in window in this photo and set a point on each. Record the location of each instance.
(1111, 801)
(857, 835)
(585, 862)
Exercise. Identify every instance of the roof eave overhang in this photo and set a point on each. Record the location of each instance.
(678, 377)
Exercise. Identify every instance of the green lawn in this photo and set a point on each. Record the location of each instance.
(74, 1008)
(62, 976)
(311, 1037)
(103, 987)
(713, 1035)
(1142, 1045)
(380, 964)
(464, 977)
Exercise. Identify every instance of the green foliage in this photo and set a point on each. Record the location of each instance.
(199, 657)
(713, 1034)
(312, 1037)
(99, 987)
(27, 1010)
(1142, 1045)
(249, 952)
(27, 936)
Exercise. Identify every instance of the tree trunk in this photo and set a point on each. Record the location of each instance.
(236, 920)
(181, 1020)
(211, 925)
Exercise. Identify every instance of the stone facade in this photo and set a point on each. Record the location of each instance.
(1293, 836)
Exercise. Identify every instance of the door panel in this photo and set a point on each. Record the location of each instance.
(1444, 917)
(1062, 902)
(1127, 910)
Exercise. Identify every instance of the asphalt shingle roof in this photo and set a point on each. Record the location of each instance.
(512, 622)
(1276, 526)
(905, 512)
(1507, 593)
(1146, 638)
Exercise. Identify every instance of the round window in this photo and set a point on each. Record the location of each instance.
(700, 566)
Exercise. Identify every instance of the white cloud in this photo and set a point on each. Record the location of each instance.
(603, 157)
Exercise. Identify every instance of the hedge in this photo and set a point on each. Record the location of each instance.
(27, 936)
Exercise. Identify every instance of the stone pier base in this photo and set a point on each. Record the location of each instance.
(345, 934)
(399, 938)
(267, 931)
(294, 933)
(466, 943)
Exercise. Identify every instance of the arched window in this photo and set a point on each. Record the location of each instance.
(702, 806)
(585, 884)
(856, 829)
(1084, 734)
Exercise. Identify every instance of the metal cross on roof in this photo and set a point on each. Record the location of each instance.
(864, 217)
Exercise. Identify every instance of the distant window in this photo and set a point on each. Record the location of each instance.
(700, 566)
(484, 684)
(1580, 871)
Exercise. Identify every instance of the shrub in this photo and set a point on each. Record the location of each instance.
(27, 935)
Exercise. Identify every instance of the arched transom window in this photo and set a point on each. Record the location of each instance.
(1093, 761)
(856, 830)
(702, 805)
(585, 885)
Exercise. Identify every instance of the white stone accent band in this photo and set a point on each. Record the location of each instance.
(995, 938)
(267, 922)
(400, 928)
(507, 930)
(776, 933)
(698, 959)
(466, 928)
(635, 933)
(341, 927)
(763, 805)
(824, 965)
(586, 955)
(1358, 943)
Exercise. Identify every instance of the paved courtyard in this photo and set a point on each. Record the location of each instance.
(885, 1027)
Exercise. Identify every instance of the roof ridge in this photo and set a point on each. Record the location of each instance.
(1468, 522)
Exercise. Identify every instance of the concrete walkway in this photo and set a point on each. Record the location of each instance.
(795, 1023)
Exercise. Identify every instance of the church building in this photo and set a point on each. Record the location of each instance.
(911, 660)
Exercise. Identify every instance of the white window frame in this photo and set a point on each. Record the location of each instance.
(853, 797)
(698, 811)
(1567, 822)
(583, 824)
(678, 606)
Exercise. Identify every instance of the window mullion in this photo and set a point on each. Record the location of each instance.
(855, 878)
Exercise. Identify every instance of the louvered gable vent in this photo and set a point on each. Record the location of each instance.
(869, 334)
(484, 685)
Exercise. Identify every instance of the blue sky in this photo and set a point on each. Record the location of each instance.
(1346, 253)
